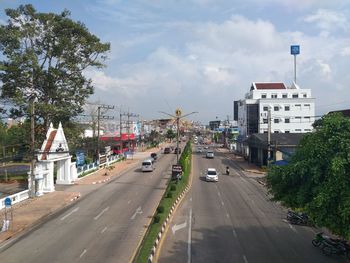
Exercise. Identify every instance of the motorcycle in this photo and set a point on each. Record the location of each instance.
(227, 170)
(322, 239)
(340, 247)
(297, 218)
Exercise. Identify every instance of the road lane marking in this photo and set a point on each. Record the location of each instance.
(178, 227)
(234, 233)
(222, 202)
(82, 254)
(103, 230)
(71, 212)
(227, 215)
(129, 201)
(189, 238)
(102, 212)
(138, 211)
(245, 259)
(293, 228)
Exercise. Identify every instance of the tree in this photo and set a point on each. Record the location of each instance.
(317, 178)
(170, 134)
(45, 55)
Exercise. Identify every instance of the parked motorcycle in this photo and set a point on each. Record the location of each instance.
(227, 170)
(340, 247)
(297, 218)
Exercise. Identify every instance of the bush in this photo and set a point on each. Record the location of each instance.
(173, 187)
(169, 195)
(156, 219)
(160, 209)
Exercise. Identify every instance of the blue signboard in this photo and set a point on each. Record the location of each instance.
(8, 201)
(80, 158)
(295, 49)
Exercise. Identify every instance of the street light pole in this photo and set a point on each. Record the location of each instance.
(178, 116)
(32, 148)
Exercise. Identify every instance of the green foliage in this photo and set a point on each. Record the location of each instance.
(172, 187)
(156, 219)
(160, 209)
(44, 56)
(170, 134)
(317, 178)
(169, 195)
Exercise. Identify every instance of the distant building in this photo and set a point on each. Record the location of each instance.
(292, 109)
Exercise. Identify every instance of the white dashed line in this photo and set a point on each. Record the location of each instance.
(71, 212)
(293, 228)
(245, 259)
(103, 230)
(82, 254)
(234, 233)
(100, 214)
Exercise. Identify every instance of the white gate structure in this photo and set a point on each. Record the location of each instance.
(54, 149)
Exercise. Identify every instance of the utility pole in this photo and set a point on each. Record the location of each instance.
(128, 115)
(107, 107)
(32, 147)
(268, 136)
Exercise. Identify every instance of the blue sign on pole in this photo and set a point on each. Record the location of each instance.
(8, 201)
(80, 158)
(295, 50)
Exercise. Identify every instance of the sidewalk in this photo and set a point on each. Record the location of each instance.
(31, 212)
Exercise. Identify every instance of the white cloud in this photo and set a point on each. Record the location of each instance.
(328, 20)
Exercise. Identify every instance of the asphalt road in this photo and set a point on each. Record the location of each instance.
(104, 226)
(233, 220)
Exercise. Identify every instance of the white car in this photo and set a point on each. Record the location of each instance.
(147, 165)
(212, 175)
(210, 154)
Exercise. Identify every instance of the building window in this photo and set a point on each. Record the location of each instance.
(304, 95)
(286, 108)
(276, 108)
(263, 96)
(298, 130)
(287, 120)
(284, 96)
(276, 131)
(264, 121)
(294, 96)
(297, 119)
(286, 131)
(274, 96)
(307, 130)
(265, 131)
(307, 119)
(265, 108)
(276, 120)
(307, 106)
(298, 106)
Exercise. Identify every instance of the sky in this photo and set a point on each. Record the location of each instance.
(201, 55)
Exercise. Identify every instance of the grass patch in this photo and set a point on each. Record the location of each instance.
(166, 202)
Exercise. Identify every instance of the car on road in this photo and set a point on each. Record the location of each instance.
(199, 149)
(210, 154)
(154, 156)
(147, 165)
(166, 150)
(211, 175)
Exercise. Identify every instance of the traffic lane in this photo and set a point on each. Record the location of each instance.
(211, 237)
(82, 230)
(260, 226)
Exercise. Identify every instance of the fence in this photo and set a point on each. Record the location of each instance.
(15, 198)
(93, 166)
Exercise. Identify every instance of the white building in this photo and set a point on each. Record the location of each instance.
(292, 109)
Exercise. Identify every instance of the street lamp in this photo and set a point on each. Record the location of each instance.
(178, 116)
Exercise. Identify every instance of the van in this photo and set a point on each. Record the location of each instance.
(147, 166)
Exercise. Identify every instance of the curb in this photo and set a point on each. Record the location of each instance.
(164, 226)
(101, 181)
(75, 197)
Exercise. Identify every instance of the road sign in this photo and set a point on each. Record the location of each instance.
(176, 171)
(295, 50)
(8, 201)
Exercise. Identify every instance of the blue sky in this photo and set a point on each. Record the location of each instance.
(200, 55)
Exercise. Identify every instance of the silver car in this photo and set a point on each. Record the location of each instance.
(210, 154)
(212, 175)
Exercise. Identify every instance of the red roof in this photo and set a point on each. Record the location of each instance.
(270, 86)
(48, 144)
